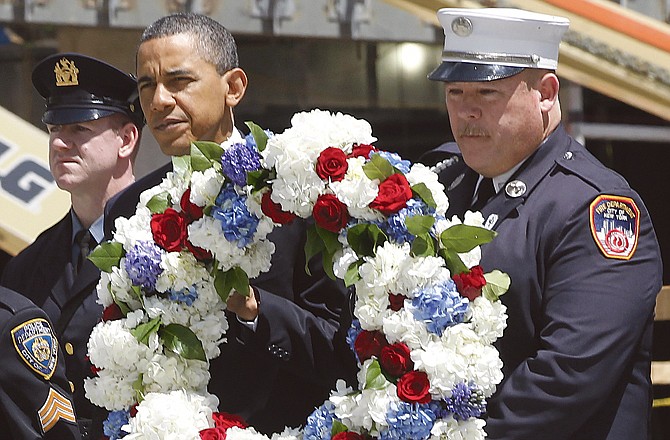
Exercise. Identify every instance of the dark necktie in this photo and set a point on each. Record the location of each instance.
(85, 242)
(484, 192)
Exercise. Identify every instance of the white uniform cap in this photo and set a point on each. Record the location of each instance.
(492, 43)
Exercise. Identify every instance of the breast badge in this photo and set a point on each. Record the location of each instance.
(37, 346)
(615, 224)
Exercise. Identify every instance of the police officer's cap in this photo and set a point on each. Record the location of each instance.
(493, 43)
(79, 88)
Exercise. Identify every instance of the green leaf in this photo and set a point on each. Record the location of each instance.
(419, 224)
(107, 255)
(181, 164)
(327, 261)
(374, 379)
(337, 427)
(352, 274)
(258, 179)
(232, 279)
(497, 283)
(378, 168)
(421, 190)
(182, 341)
(143, 331)
(364, 238)
(138, 387)
(159, 203)
(313, 246)
(453, 261)
(201, 153)
(423, 246)
(259, 135)
(330, 241)
(464, 238)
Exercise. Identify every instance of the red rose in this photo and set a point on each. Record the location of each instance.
(347, 435)
(199, 253)
(397, 302)
(112, 312)
(413, 387)
(332, 164)
(213, 434)
(190, 210)
(394, 192)
(470, 284)
(364, 150)
(224, 421)
(369, 343)
(329, 213)
(274, 211)
(395, 359)
(169, 230)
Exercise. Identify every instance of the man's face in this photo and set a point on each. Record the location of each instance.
(182, 95)
(84, 155)
(496, 124)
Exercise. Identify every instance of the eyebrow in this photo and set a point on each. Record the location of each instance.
(169, 73)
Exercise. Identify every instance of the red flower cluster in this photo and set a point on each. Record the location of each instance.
(414, 387)
(222, 422)
(369, 344)
(394, 192)
(170, 231)
(274, 211)
(395, 359)
(470, 284)
(332, 164)
(112, 312)
(396, 301)
(329, 213)
(348, 435)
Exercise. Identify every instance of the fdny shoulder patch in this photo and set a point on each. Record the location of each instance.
(37, 346)
(615, 224)
(56, 407)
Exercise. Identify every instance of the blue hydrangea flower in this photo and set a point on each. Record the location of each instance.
(439, 306)
(112, 426)
(249, 139)
(394, 159)
(186, 296)
(466, 401)
(320, 422)
(237, 223)
(143, 264)
(395, 226)
(407, 421)
(354, 330)
(237, 160)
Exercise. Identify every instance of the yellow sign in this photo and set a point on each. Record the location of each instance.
(30, 201)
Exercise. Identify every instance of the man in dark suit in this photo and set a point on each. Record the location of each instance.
(35, 399)
(285, 346)
(576, 240)
(94, 122)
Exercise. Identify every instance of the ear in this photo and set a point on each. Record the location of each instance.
(236, 81)
(548, 87)
(130, 135)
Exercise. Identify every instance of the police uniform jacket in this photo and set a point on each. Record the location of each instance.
(576, 350)
(35, 402)
(278, 374)
(41, 273)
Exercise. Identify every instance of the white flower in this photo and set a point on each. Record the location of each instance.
(449, 428)
(357, 191)
(112, 392)
(420, 173)
(205, 186)
(489, 319)
(175, 415)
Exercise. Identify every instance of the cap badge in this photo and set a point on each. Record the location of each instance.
(66, 73)
(515, 188)
(462, 26)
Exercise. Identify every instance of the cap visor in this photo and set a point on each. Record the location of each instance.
(471, 72)
(65, 115)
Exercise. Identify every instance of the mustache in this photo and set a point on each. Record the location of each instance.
(472, 130)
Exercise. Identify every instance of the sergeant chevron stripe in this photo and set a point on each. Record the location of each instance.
(56, 407)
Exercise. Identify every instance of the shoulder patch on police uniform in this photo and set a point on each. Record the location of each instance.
(56, 407)
(37, 346)
(615, 225)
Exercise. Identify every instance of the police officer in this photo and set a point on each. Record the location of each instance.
(94, 122)
(35, 401)
(575, 239)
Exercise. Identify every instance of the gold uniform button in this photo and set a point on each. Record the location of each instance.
(69, 349)
(71, 387)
